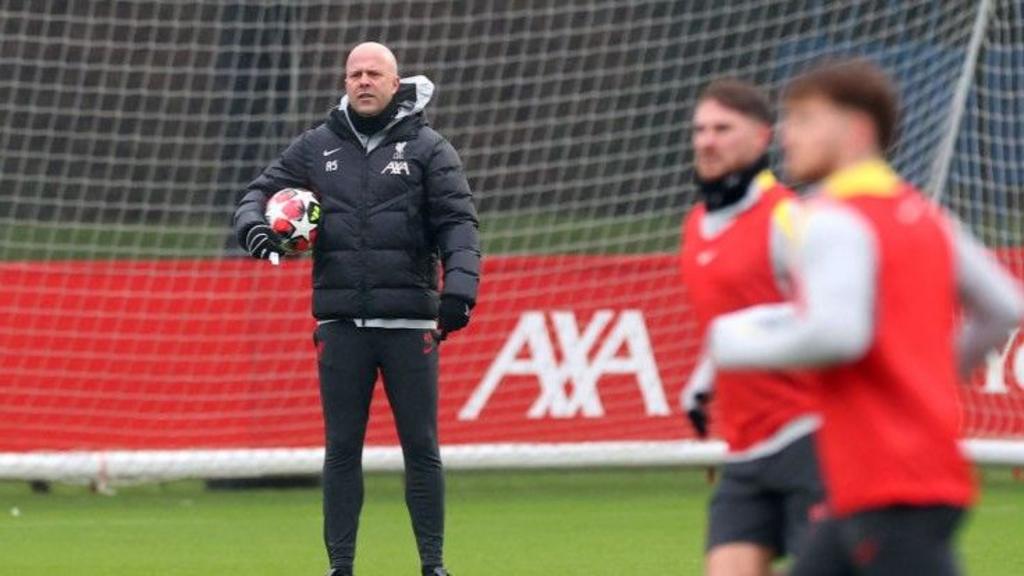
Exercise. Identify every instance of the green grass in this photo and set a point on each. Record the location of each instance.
(83, 241)
(591, 523)
(537, 233)
(553, 233)
(548, 232)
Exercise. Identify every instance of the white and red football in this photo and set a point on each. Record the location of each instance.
(294, 214)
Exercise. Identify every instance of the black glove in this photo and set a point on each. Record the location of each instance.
(453, 314)
(698, 414)
(261, 241)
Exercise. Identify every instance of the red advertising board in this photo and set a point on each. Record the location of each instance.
(104, 355)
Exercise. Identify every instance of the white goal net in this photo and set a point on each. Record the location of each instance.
(137, 341)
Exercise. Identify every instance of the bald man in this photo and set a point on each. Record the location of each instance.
(396, 209)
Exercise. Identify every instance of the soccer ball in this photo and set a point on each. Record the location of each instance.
(294, 213)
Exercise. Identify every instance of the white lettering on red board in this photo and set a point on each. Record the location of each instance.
(568, 388)
(1006, 368)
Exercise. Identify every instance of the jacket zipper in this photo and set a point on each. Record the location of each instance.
(364, 294)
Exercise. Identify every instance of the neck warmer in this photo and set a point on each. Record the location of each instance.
(732, 187)
(370, 125)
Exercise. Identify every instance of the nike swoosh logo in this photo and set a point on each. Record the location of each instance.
(329, 152)
(705, 258)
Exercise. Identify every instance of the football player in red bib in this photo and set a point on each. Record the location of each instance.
(881, 275)
(730, 261)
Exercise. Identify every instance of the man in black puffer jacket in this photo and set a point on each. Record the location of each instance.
(395, 203)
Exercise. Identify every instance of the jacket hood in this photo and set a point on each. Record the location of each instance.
(414, 93)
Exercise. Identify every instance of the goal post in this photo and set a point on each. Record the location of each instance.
(132, 466)
(138, 343)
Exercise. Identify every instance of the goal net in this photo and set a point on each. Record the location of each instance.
(136, 341)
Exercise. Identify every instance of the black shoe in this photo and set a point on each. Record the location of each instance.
(339, 572)
(436, 571)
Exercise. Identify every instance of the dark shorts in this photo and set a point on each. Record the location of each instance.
(893, 541)
(767, 501)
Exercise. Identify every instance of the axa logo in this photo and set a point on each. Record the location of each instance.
(568, 383)
(396, 167)
(1005, 370)
(398, 164)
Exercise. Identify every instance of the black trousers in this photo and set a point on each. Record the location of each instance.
(349, 360)
(892, 541)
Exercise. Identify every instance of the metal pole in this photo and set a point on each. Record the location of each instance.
(940, 169)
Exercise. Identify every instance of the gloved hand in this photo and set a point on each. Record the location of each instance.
(697, 394)
(263, 243)
(453, 314)
(698, 415)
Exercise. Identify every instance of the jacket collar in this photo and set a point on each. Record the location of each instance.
(414, 93)
(399, 130)
(871, 177)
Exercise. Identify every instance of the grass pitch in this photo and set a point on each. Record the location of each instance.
(529, 233)
(646, 521)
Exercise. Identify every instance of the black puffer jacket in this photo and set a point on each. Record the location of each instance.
(393, 206)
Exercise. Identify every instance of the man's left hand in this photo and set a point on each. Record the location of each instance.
(453, 314)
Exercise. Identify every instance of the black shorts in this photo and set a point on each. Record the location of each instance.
(893, 541)
(767, 501)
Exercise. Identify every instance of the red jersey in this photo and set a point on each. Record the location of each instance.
(891, 419)
(730, 271)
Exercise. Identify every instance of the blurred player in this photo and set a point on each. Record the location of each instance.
(760, 508)
(881, 272)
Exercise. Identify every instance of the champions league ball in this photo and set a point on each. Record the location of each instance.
(294, 213)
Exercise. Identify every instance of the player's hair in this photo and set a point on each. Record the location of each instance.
(743, 97)
(857, 84)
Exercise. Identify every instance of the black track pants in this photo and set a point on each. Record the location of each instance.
(349, 361)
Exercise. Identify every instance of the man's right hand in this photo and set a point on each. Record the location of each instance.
(263, 243)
